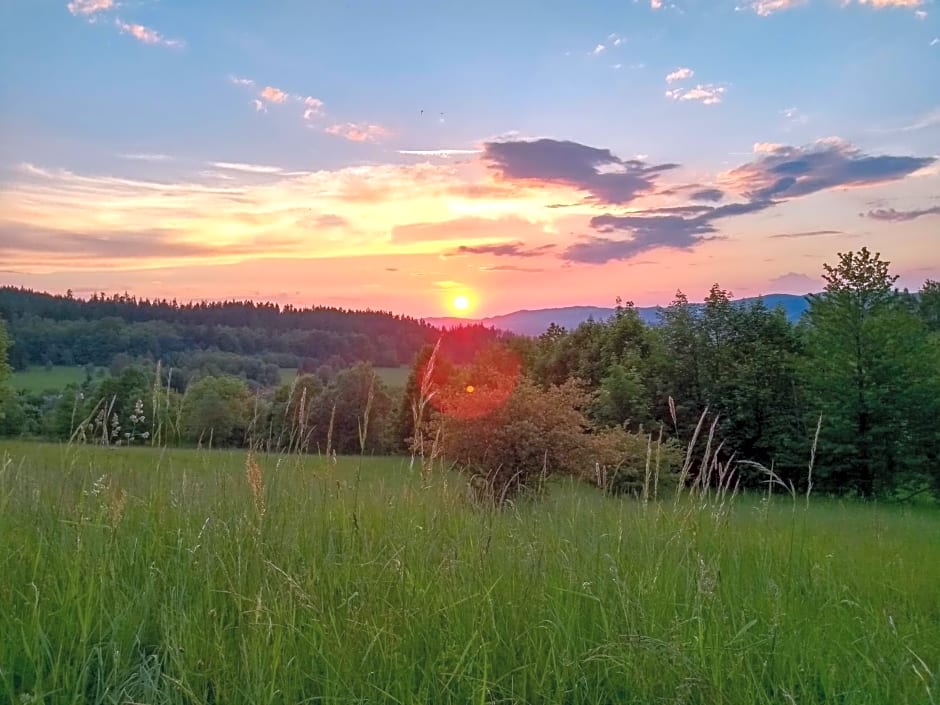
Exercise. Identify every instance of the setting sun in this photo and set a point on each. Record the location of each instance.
(461, 303)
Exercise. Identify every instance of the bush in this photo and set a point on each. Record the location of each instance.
(535, 433)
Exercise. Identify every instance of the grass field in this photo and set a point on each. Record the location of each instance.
(39, 379)
(143, 576)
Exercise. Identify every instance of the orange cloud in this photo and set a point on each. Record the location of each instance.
(273, 95)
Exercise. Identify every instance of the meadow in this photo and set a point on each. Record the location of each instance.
(39, 379)
(156, 576)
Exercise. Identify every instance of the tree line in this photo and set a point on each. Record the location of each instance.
(852, 389)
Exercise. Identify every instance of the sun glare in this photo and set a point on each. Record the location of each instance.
(461, 303)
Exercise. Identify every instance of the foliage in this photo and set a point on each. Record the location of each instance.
(352, 413)
(872, 372)
(7, 399)
(217, 411)
(63, 330)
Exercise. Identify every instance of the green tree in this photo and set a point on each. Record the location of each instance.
(356, 401)
(929, 305)
(8, 403)
(871, 371)
(292, 415)
(217, 409)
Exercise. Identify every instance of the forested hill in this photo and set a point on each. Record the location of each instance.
(63, 330)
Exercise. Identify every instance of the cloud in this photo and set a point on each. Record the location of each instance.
(239, 81)
(808, 233)
(509, 268)
(879, 4)
(439, 152)
(930, 119)
(607, 178)
(147, 157)
(679, 74)
(935, 41)
(895, 216)
(794, 282)
(248, 168)
(787, 172)
(656, 4)
(649, 232)
(331, 220)
(615, 40)
(259, 106)
(599, 49)
(273, 95)
(507, 249)
(146, 34)
(24, 241)
(357, 132)
(313, 107)
(469, 228)
(707, 194)
(89, 7)
(765, 8)
(706, 93)
(769, 7)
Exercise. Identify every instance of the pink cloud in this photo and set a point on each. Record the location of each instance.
(273, 95)
(145, 34)
(89, 7)
(357, 132)
(680, 74)
(890, 3)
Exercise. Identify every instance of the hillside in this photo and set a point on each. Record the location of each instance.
(238, 336)
(535, 322)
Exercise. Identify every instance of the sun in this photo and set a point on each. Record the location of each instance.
(461, 303)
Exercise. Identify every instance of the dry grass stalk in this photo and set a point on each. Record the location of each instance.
(812, 460)
(255, 482)
(418, 406)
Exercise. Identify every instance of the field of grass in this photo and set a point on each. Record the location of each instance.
(148, 576)
(39, 379)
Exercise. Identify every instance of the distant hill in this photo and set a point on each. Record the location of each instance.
(535, 322)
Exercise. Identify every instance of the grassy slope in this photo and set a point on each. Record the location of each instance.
(392, 376)
(39, 379)
(384, 592)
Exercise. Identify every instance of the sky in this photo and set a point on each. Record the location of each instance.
(397, 155)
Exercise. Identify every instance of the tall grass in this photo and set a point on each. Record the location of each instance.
(154, 576)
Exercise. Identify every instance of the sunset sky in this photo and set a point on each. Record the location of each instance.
(397, 154)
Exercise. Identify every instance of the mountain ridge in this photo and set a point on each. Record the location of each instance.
(536, 321)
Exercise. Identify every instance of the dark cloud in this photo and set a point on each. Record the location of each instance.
(508, 249)
(895, 216)
(808, 233)
(789, 172)
(609, 179)
(648, 232)
(708, 194)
